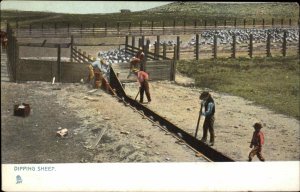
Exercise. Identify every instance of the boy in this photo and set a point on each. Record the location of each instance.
(257, 141)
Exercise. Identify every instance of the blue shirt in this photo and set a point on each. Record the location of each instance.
(209, 109)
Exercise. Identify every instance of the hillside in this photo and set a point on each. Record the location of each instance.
(189, 11)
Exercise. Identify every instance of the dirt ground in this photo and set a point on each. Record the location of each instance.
(125, 136)
(179, 102)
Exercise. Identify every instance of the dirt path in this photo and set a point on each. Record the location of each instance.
(234, 119)
(127, 136)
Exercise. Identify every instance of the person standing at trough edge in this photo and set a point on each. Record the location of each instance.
(143, 77)
(209, 107)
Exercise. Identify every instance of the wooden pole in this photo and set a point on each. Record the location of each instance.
(133, 41)
(284, 44)
(72, 43)
(178, 48)
(251, 46)
(157, 46)
(165, 51)
(233, 46)
(58, 63)
(269, 45)
(197, 46)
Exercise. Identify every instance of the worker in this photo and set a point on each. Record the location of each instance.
(257, 141)
(209, 107)
(136, 62)
(143, 78)
(97, 70)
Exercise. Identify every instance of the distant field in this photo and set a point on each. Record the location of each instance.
(271, 82)
(188, 11)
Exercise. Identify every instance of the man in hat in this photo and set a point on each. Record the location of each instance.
(136, 62)
(143, 78)
(209, 107)
(257, 141)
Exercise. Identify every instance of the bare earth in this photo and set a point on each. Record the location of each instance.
(127, 136)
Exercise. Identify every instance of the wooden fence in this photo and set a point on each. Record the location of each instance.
(160, 51)
(145, 28)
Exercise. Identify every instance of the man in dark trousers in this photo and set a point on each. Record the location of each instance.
(143, 78)
(209, 107)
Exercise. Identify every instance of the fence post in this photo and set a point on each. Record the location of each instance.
(143, 42)
(144, 66)
(269, 45)
(71, 45)
(263, 23)
(16, 58)
(157, 46)
(178, 48)
(273, 22)
(175, 54)
(281, 22)
(251, 46)
(141, 26)
(290, 22)
(244, 23)
(233, 46)
(140, 42)
(215, 47)
(253, 23)
(225, 23)
(215, 24)
(58, 63)
(133, 41)
(205, 24)
(126, 45)
(284, 44)
(197, 46)
(165, 51)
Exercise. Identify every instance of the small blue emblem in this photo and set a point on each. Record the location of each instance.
(19, 179)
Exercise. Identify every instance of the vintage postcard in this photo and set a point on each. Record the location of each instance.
(149, 96)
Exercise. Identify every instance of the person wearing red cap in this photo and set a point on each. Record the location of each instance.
(257, 141)
(136, 62)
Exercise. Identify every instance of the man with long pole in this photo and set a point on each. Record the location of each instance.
(209, 111)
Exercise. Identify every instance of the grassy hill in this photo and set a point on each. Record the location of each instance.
(179, 11)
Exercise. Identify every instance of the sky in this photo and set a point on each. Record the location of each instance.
(80, 7)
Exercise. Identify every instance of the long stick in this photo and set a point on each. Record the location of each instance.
(198, 121)
(137, 94)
